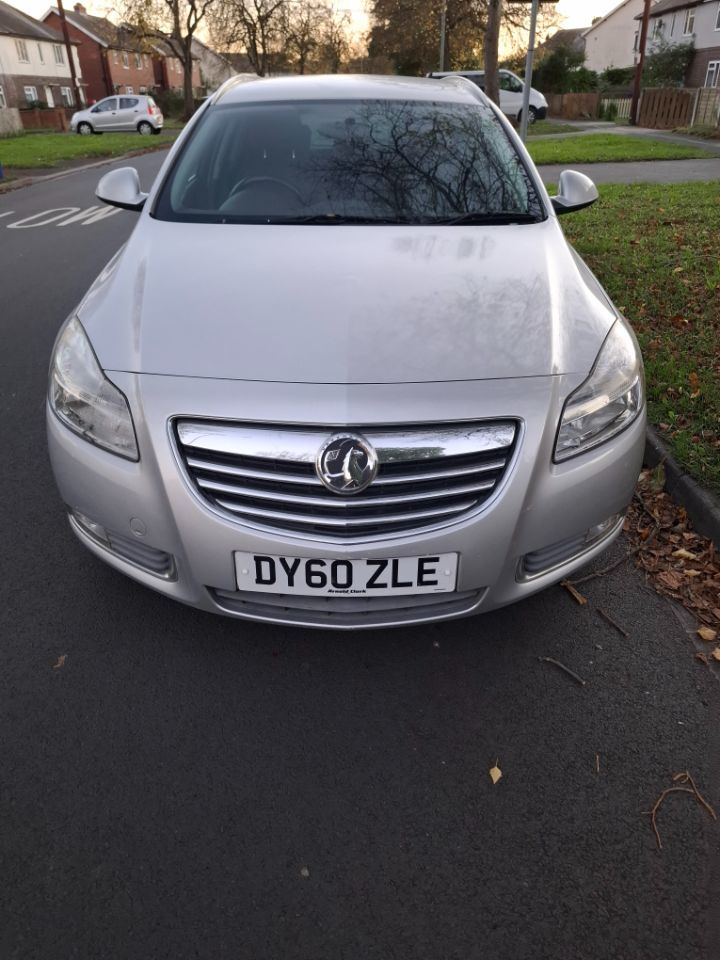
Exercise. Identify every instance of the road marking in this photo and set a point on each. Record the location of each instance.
(91, 215)
(57, 213)
(62, 217)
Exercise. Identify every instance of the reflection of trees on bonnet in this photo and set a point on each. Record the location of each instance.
(413, 161)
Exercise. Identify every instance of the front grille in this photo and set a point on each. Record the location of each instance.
(346, 612)
(266, 475)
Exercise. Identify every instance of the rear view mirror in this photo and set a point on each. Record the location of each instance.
(575, 192)
(121, 188)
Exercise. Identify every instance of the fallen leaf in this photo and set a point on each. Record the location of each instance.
(657, 479)
(683, 554)
(702, 657)
(61, 661)
(495, 773)
(304, 872)
(693, 573)
(707, 634)
(716, 653)
(670, 579)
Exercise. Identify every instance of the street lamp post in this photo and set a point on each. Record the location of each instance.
(443, 18)
(528, 71)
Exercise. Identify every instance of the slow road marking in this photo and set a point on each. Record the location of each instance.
(62, 217)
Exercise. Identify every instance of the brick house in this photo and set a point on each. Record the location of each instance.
(117, 59)
(682, 21)
(34, 65)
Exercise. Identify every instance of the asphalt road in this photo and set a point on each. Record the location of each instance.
(186, 786)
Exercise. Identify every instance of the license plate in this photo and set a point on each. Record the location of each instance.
(377, 577)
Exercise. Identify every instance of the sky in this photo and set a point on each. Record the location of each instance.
(576, 13)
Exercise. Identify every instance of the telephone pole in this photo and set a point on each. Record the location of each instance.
(640, 64)
(69, 49)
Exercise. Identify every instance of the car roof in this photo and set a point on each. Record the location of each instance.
(346, 87)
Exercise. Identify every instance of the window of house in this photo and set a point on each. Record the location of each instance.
(30, 94)
(59, 53)
(41, 53)
(125, 59)
(127, 90)
(636, 41)
(3, 101)
(672, 24)
(712, 77)
(143, 90)
(67, 97)
(138, 60)
(49, 98)
(115, 56)
(657, 27)
(689, 21)
(717, 18)
(22, 51)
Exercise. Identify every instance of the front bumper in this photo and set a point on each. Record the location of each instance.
(538, 504)
(541, 113)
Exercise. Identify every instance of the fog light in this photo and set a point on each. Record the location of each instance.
(557, 554)
(96, 530)
(600, 529)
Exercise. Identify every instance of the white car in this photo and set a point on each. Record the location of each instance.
(124, 112)
(347, 371)
(511, 93)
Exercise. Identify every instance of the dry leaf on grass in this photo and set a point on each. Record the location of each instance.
(716, 653)
(495, 773)
(683, 554)
(707, 634)
(60, 662)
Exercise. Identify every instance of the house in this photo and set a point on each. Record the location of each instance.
(570, 39)
(612, 41)
(682, 21)
(215, 69)
(34, 64)
(117, 59)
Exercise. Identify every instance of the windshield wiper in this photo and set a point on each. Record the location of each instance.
(339, 218)
(481, 219)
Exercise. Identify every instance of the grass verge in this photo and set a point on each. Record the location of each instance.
(53, 149)
(654, 247)
(609, 147)
(544, 127)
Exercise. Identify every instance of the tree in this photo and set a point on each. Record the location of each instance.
(301, 29)
(255, 26)
(562, 71)
(175, 22)
(335, 32)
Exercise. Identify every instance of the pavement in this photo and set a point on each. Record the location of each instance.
(187, 786)
(639, 171)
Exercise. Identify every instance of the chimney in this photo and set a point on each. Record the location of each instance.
(79, 8)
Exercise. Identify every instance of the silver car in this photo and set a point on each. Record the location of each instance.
(347, 371)
(125, 112)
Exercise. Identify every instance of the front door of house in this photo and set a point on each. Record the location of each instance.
(49, 99)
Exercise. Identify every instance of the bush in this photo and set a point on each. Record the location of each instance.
(563, 72)
(608, 112)
(171, 102)
(667, 63)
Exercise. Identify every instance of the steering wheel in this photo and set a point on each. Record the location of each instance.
(250, 181)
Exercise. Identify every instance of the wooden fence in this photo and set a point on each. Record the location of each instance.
(665, 108)
(51, 118)
(574, 106)
(621, 106)
(707, 107)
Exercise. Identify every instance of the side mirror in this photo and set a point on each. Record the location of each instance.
(95, 110)
(121, 188)
(575, 192)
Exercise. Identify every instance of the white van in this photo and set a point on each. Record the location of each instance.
(511, 92)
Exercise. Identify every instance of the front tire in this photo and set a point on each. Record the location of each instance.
(532, 115)
(144, 128)
(84, 128)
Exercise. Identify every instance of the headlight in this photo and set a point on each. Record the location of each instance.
(85, 400)
(608, 401)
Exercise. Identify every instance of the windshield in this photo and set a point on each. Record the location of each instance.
(359, 161)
